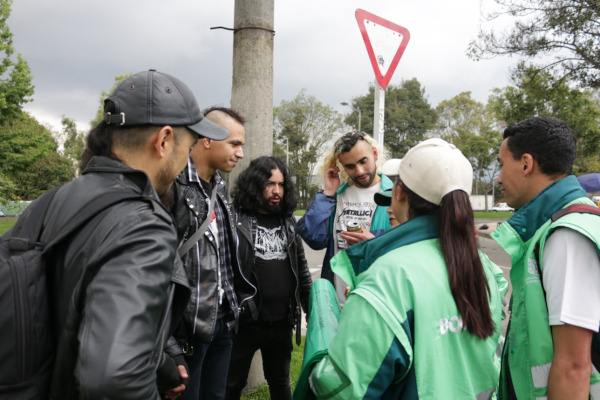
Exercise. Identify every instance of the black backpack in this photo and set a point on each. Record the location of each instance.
(26, 343)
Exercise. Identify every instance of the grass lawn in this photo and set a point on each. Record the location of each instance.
(262, 392)
(493, 214)
(6, 224)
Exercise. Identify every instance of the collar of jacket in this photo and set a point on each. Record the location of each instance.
(190, 175)
(386, 184)
(529, 218)
(101, 164)
(363, 254)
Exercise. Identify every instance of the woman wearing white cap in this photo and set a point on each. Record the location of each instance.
(423, 318)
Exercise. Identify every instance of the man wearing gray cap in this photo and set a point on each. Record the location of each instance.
(111, 283)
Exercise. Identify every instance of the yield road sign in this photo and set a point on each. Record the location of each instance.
(385, 43)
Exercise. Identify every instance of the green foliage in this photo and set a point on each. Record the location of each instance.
(471, 127)
(29, 158)
(536, 94)
(7, 188)
(104, 95)
(15, 77)
(73, 142)
(564, 33)
(302, 127)
(408, 115)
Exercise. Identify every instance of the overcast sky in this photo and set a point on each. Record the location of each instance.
(75, 49)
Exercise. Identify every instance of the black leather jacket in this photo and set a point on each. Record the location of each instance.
(109, 337)
(245, 222)
(190, 209)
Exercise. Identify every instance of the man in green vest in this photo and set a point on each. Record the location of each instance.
(555, 306)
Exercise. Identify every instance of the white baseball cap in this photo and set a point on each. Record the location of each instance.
(432, 169)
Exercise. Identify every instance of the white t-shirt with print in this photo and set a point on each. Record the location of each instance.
(354, 205)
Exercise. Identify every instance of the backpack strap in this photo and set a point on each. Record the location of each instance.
(90, 210)
(574, 208)
(32, 228)
(577, 208)
(188, 244)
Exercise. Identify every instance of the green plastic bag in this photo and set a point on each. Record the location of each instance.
(324, 314)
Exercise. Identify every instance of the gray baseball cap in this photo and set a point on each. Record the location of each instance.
(155, 98)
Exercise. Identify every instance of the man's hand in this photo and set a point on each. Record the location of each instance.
(355, 237)
(332, 181)
(176, 392)
(572, 365)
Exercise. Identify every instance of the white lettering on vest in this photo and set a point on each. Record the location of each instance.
(454, 324)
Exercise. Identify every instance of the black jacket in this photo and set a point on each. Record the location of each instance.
(109, 340)
(190, 210)
(246, 223)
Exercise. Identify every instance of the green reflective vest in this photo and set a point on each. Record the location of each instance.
(529, 348)
(402, 295)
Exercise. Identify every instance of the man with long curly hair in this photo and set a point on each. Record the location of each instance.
(274, 267)
(346, 202)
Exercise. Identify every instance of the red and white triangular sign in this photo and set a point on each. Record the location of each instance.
(385, 43)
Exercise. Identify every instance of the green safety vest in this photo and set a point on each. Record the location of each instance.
(402, 275)
(529, 348)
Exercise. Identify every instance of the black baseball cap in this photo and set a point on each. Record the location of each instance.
(156, 98)
(383, 198)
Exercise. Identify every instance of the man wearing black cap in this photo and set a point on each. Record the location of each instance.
(202, 208)
(111, 330)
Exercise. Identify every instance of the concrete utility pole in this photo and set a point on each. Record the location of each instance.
(252, 91)
(252, 96)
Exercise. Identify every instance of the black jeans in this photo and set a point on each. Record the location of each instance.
(274, 340)
(208, 366)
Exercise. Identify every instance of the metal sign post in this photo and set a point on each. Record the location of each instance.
(378, 116)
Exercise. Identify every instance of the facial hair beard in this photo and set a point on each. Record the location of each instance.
(270, 208)
(365, 185)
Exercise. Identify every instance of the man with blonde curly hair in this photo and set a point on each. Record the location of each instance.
(344, 213)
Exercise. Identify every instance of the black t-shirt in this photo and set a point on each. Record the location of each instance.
(271, 264)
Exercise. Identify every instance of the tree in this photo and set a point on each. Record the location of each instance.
(536, 94)
(73, 143)
(471, 127)
(30, 160)
(303, 126)
(7, 188)
(408, 115)
(15, 76)
(100, 112)
(563, 32)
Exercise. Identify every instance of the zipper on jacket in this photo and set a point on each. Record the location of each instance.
(295, 272)
(237, 257)
(160, 349)
(197, 287)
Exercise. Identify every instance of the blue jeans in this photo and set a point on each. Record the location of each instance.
(274, 339)
(209, 364)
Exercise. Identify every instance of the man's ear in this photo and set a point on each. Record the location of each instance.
(527, 164)
(206, 142)
(163, 140)
(375, 153)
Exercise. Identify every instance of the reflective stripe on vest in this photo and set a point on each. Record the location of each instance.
(487, 395)
(540, 375)
(540, 380)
